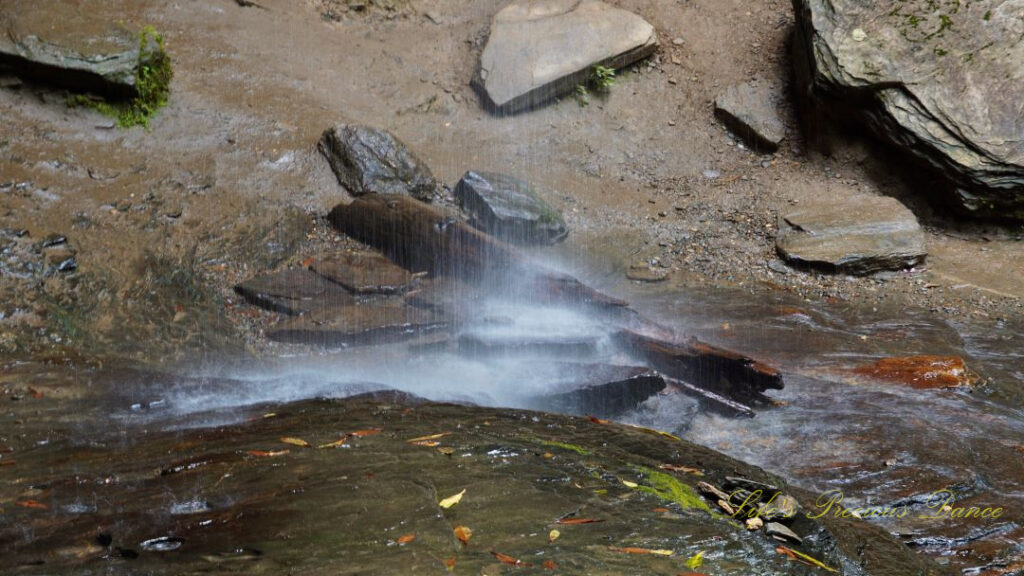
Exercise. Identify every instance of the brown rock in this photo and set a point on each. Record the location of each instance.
(357, 325)
(921, 372)
(364, 273)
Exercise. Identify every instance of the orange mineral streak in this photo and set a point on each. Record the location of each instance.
(920, 372)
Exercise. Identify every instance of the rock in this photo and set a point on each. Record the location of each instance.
(749, 110)
(646, 273)
(781, 533)
(293, 291)
(367, 160)
(921, 372)
(478, 344)
(943, 85)
(857, 234)
(364, 273)
(509, 209)
(601, 390)
(356, 326)
(780, 508)
(542, 49)
(62, 43)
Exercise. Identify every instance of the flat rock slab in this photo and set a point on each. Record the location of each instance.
(294, 291)
(942, 81)
(750, 111)
(858, 234)
(365, 273)
(371, 161)
(509, 208)
(357, 326)
(59, 42)
(602, 390)
(921, 372)
(542, 49)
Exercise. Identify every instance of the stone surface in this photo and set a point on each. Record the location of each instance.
(367, 160)
(509, 208)
(62, 43)
(750, 111)
(542, 49)
(364, 273)
(293, 291)
(943, 81)
(920, 371)
(356, 326)
(601, 389)
(781, 533)
(646, 273)
(861, 234)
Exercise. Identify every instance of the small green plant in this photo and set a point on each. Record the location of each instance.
(602, 78)
(582, 95)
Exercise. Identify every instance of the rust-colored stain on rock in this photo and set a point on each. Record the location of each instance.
(921, 372)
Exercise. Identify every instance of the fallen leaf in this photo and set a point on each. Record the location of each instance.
(363, 433)
(553, 535)
(686, 469)
(295, 441)
(308, 262)
(804, 558)
(451, 500)
(446, 450)
(631, 550)
(406, 538)
(549, 565)
(335, 444)
(463, 533)
(33, 504)
(629, 484)
(506, 559)
(429, 437)
(691, 574)
(267, 453)
(450, 563)
(659, 510)
(571, 521)
(696, 560)
(548, 455)
(6, 462)
(597, 420)
(427, 443)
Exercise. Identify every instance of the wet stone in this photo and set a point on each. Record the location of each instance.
(357, 326)
(647, 273)
(497, 344)
(921, 372)
(750, 111)
(781, 508)
(364, 273)
(371, 161)
(781, 533)
(509, 208)
(294, 291)
(602, 390)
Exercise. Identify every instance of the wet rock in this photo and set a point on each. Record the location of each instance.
(293, 291)
(647, 273)
(540, 50)
(858, 234)
(942, 85)
(447, 296)
(367, 160)
(921, 372)
(500, 344)
(781, 533)
(601, 389)
(63, 43)
(509, 208)
(780, 508)
(357, 326)
(750, 111)
(364, 273)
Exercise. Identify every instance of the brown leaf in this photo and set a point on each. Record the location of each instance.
(463, 533)
(446, 450)
(597, 420)
(33, 504)
(450, 563)
(406, 538)
(506, 559)
(549, 565)
(295, 441)
(267, 453)
(659, 510)
(426, 443)
(428, 437)
(362, 433)
(686, 469)
(571, 521)
(6, 462)
(308, 262)
(335, 444)
(632, 550)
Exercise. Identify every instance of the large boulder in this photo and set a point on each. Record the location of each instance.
(858, 234)
(943, 81)
(542, 49)
(509, 208)
(371, 161)
(58, 42)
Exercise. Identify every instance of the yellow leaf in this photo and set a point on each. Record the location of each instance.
(429, 437)
(463, 533)
(553, 535)
(451, 500)
(446, 450)
(696, 560)
(427, 443)
(334, 444)
(630, 484)
(266, 453)
(295, 441)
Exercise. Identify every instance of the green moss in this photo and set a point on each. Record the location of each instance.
(987, 16)
(152, 84)
(667, 487)
(572, 447)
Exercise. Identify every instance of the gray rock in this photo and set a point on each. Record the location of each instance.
(367, 160)
(359, 325)
(779, 508)
(944, 85)
(542, 49)
(58, 42)
(858, 234)
(509, 209)
(293, 291)
(601, 390)
(749, 111)
(364, 273)
(782, 533)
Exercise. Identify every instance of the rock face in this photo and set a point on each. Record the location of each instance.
(921, 372)
(509, 209)
(58, 42)
(364, 273)
(859, 235)
(943, 81)
(542, 49)
(356, 326)
(367, 160)
(294, 291)
(749, 111)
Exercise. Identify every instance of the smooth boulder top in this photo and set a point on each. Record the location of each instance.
(368, 160)
(859, 234)
(509, 208)
(942, 80)
(749, 110)
(542, 49)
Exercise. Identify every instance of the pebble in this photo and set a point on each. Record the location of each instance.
(678, 41)
(711, 174)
